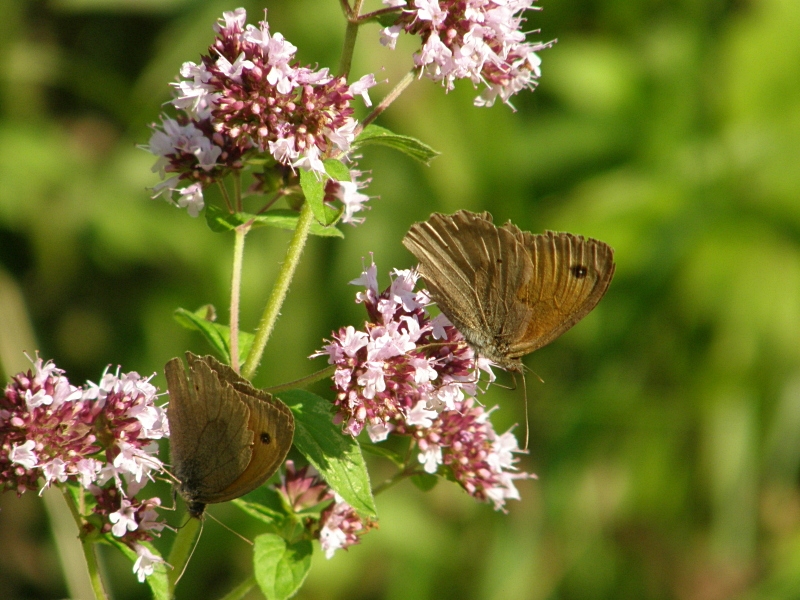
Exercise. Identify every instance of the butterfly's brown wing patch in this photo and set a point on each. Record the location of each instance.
(227, 438)
(272, 425)
(570, 275)
(210, 443)
(473, 270)
(507, 291)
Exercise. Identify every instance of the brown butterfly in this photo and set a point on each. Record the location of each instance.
(226, 437)
(509, 292)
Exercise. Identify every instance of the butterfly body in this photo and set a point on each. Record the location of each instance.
(509, 292)
(226, 437)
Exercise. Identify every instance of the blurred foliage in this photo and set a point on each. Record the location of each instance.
(667, 435)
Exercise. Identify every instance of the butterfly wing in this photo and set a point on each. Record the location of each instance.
(210, 442)
(570, 275)
(473, 271)
(272, 424)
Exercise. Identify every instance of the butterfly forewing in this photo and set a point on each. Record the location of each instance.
(570, 276)
(210, 443)
(507, 291)
(227, 438)
(470, 266)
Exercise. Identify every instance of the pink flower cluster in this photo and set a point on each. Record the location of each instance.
(339, 526)
(101, 436)
(408, 374)
(479, 40)
(245, 97)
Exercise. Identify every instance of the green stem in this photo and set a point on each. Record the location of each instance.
(224, 191)
(273, 308)
(378, 13)
(350, 35)
(388, 99)
(303, 381)
(94, 570)
(237, 191)
(236, 292)
(88, 550)
(182, 548)
(240, 591)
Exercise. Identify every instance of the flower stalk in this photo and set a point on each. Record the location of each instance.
(273, 307)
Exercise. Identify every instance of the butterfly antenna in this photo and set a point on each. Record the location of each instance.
(527, 421)
(236, 533)
(191, 554)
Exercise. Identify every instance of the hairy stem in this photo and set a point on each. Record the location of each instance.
(240, 591)
(388, 99)
(89, 550)
(182, 548)
(285, 275)
(303, 381)
(236, 292)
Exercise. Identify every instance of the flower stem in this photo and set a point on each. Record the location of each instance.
(378, 13)
(303, 381)
(182, 548)
(236, 292)
(388, 99)
(89, 549)
(240, 591)
(94, 569)
(224, 191)
(275, 302)
(350, 35)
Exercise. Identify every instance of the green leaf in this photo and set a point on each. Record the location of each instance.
(337, 170)
(314, 191)
(280, 568)
(263, 503)
(383, 452)
(219, 336)
(374, 134)
(158, 582)
(424, 481)
(282, 218)
(336, 456)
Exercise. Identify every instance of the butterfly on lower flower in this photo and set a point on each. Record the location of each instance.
(508, 291)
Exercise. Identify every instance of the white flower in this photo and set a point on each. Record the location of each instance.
(389, 36)
(431, 458)
(331, 540)
(372, 379)
(191, 199)
(24, 455)
(420, 416)
(379, 432)
(124, 519)
(362, 86)
(145, 563)
(423, 370)
(55, 470)
(503, 447)
(353, 341)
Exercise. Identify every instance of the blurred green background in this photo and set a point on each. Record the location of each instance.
(666, 436)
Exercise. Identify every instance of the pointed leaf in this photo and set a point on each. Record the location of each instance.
(373, 134)
(337, 170)
(424, 481)
(377, 450)
(280, 568)
(263, 503)
(313, 185)
(282, 218)
(219, 336)
(336, 456)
